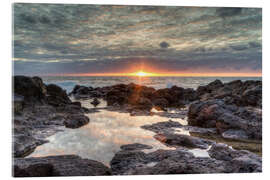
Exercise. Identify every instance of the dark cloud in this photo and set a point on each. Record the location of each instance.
(239, 47)
(227, 12)
(28, 18)
(255, 45)
(164, 44)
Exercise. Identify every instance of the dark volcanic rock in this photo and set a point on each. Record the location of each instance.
(242, 161)
(25, 144)
(18, 103)
(217, 114)
(248, 93)
(39, 111)
(180, 161)
(56, 95)
(175, 96)
(210, 87)
(162, 127)
(28, 88)
(235, 134)
(66, 165)
(163, 162)
(161, 103)
(95, 102)
(135, 146)
(76, 121)
(181, 140)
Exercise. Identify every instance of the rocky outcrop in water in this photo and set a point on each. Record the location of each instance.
(247, 93)
(137, 97)
(66, 165)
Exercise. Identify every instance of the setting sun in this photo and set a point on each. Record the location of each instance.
(141, 73)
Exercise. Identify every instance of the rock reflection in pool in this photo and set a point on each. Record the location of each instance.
(102, 137)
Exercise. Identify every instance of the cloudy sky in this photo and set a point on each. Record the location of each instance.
(58, 39)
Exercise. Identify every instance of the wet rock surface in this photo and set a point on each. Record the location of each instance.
(66, 165)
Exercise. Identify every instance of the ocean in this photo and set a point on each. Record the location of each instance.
(68, 82)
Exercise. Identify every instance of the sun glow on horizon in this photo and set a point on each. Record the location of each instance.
(142, 74)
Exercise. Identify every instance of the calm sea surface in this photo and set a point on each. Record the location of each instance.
(156, 82)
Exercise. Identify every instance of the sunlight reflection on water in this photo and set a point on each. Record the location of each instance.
(102, 137)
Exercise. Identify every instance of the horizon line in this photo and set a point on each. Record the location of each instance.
(156, 75)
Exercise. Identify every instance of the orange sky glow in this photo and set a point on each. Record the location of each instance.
(177, 74)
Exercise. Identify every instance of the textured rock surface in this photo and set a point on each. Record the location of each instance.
(76, 121)
(181, 140)
(66, 165)
(39, 111)
(180, 161)
(217, 114)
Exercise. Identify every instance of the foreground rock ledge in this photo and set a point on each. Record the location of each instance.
(180, 161)
(66, 165)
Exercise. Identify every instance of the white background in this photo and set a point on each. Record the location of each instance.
(6, 73)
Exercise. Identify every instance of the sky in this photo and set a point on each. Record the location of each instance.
(62, 39)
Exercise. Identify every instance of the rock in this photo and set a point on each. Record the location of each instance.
(163, 162)
(162, 127)
(248, 93)
(56, 95)
(76, 121)
(141, 103)
(95, 102)
(181, 140)
(125, 160)
(242, 161)
(216, 114)
(39, 83)
(25, 144)
(77, 103)
(18, 103)
(253, 96)
(28, 88)
(235, 134)
(135, 146)
(180, 161)
(161, 103)
(66, 165)
(210, 87)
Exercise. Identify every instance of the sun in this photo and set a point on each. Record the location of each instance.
(141, 74)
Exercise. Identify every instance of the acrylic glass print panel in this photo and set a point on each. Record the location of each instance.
(133, 90)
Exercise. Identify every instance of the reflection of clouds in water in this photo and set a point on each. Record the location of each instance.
(102, 137)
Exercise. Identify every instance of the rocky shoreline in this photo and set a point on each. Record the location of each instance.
(228, 111)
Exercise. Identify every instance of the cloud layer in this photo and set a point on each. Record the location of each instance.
(57, 38)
